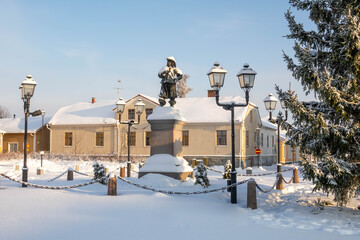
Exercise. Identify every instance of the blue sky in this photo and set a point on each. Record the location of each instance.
(78, 49)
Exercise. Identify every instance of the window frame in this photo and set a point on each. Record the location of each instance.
(221, 138)
(185, 138)
(147, 138)
(96, 139)
(131, 114)
(69, 139)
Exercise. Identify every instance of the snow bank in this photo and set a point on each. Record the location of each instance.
(165, 163)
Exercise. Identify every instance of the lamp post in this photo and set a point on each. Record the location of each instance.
(26, 92)
(42, 135)
(270, 105)
(139, 109)
(246, 79)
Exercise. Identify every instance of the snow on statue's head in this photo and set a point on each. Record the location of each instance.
(171, 59)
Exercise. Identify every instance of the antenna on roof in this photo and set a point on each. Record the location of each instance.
(118, 89)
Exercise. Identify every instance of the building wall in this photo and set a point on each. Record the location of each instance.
(1, 142)
(84, 139)
(19, 139)
(42, 139)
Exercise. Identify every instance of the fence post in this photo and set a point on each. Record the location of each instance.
(77, 168)
(40, 171)
(296, 175)
(193, 162)
(279, 184)
(70, 175)
(112, 189)
(251, 194)
(122, 172)
(17, 167)
(249, 170)
(206, 161)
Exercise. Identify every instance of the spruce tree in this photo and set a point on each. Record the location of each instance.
(201, 176)
(327, 64)
(227, 170)
(99, 172)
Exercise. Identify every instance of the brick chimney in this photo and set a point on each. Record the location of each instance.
(211, 93)
(92, 100)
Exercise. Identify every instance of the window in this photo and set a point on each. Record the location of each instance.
(247, 139)
(131, 114)
(267, 141)
(221, 137)
(13, 147)
(147, 138)
(68, 139)
(255, 139)
(185, 138)
(100, 139)
(148, 112)
(262, 140)
(272, 141)
(132, 138)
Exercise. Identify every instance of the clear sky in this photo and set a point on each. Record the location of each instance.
(78, 49)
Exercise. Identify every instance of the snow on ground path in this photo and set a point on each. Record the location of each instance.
(88, 213)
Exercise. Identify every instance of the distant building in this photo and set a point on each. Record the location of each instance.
(12, 135)
(93, 128)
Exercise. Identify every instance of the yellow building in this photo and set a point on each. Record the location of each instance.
(94, 128)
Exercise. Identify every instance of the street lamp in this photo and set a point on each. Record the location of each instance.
(270, 105)
(26, 92)
(139, 109)
(42, 135)
(246, 78)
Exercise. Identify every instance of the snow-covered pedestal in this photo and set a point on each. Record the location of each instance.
(166, 145)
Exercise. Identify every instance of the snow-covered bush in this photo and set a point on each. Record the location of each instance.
(201, 176)
(227, 170)
(99, 172)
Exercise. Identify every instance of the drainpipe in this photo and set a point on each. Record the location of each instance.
(50, 143)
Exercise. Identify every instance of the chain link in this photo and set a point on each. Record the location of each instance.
(54, 187)
(62, 174)
(248, 175)
(84, 174)
(272, 188)
(290, 181)
(181, 193)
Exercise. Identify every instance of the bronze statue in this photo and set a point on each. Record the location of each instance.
(169, 75)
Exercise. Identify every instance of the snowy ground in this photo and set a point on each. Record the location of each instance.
(88, 213)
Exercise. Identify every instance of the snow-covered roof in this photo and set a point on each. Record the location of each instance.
(205, 110)
(265, 122)
(152, 99)
(194, 110)
(100, 112)
(17, 125)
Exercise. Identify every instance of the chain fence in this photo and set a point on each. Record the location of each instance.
(249, 175)
(272, 188)
(54, 187)
(182, 193)
(288, 182)
(59, 176)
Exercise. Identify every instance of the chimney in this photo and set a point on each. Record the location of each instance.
(93, 100)
(211, 93)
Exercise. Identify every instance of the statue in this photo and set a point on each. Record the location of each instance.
(169, 75)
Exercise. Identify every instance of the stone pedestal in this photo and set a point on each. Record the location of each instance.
(166, 145)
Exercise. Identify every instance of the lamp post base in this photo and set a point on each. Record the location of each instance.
(233, 189)
(24, 176)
